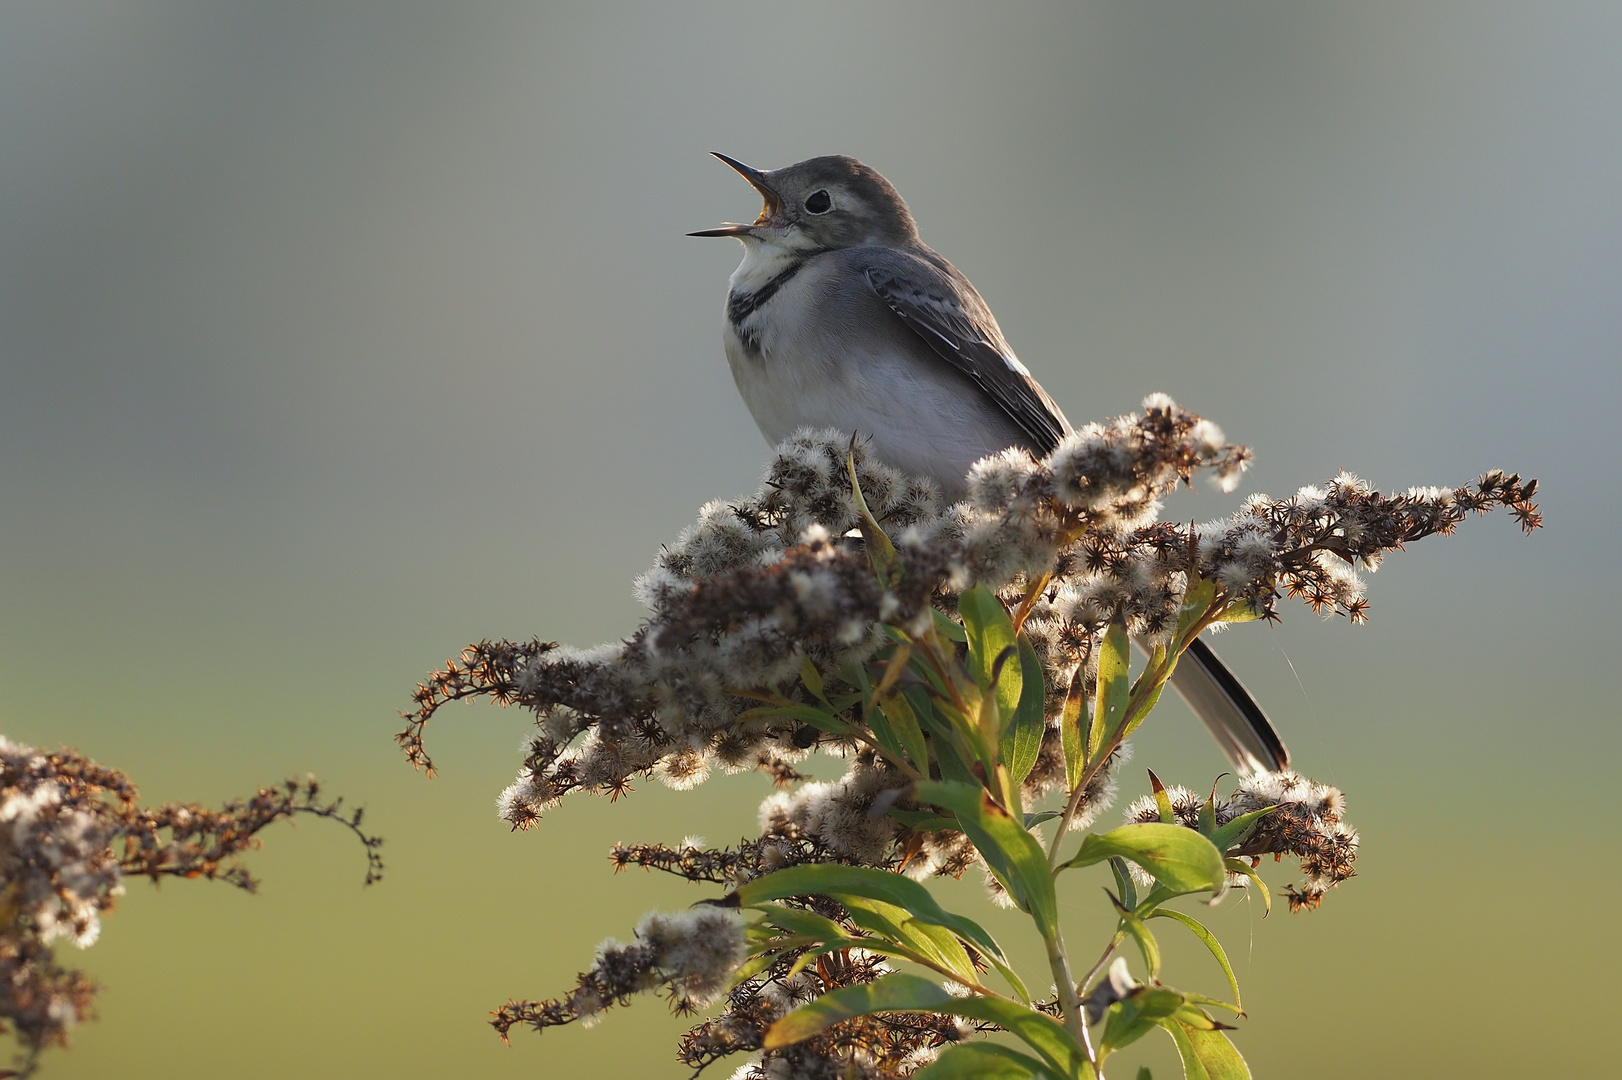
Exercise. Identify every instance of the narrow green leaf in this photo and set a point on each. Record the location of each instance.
(910, 993)
(1124, 884)
(990, 633)
(800, 921)
(1135, 1016)
(1208, 825)
(984, 1061)
(901, 721)
(1148, 706)
(927, 820)
(946, 628)
(1178, 858)
(1195, 1017)
(1231, 835)
(896, 925)
(812, 679)
(1240, 866)
(1146, 941)
(753, 966)
(1196, 602)
(881, 552)
(840, 882)
(1113, 687)
(1119, 1032)
(885, 735)
(988, 730)
(1207, 1055)
(1022, 734)
(1072, 737)
(1209, 939)
(1162, 800)
(1201, 999)
(805, 714)
(1009, 849)
(955, 764)
(1032, 820)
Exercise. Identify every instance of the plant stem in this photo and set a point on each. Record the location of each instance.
(1109, 951)
(1069, 1001)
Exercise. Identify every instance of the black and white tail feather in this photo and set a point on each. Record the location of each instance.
(1226, 708)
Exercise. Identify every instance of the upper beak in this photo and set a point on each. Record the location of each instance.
(757, 179)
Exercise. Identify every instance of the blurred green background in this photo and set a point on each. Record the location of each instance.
(334, 336)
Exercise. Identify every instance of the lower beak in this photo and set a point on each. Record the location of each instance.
(757, 179)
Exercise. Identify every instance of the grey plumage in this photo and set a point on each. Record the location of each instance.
(840, 316)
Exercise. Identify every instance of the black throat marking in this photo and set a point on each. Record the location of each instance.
(741, 305)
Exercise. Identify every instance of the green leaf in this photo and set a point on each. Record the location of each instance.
(1022, 734)
(1234, 832)
(1032, 820)
(1009, 849)
(885, 734)
(898, 712)
(881, 552)
(991, 634)
(1146, 940)
(1113, 688)
(1072, 736)
(1135, 1016)
(946, 628)
(1239, 866)
(927, 820)
(812, 679)
(805, 714)
(1120, 1032)
(993, 662)
(1123, 882)
(983, 1061)
(1149, 704)
(800, 921)
(1144, 1073)
(752, 967)
(1209, 939)
(1162, 800)
(1180, 859)
(1207, 1055)
(841, 882)
(896, 924)
(910, 993)
(1196, 602)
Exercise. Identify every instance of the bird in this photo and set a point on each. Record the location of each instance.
(840, 316)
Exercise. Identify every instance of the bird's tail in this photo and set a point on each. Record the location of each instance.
(1226, 707)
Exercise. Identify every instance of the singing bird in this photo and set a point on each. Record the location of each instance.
(841, 317)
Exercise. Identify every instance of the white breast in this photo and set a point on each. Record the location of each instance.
(818, 367)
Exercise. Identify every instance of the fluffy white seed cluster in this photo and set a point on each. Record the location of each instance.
(55, 859)
(696, 951)
(757, 586)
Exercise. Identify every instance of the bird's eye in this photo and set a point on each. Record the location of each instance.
(819, 202)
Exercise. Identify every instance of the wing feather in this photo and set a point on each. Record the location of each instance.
(937, 303)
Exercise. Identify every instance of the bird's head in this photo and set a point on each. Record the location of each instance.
(823, 202)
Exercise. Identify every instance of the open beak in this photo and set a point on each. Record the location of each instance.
(757, 179)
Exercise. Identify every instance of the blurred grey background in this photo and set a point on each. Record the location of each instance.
(334, 336)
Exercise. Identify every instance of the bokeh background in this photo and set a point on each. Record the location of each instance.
(335, 336)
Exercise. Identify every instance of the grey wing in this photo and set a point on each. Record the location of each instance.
(939, 305)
